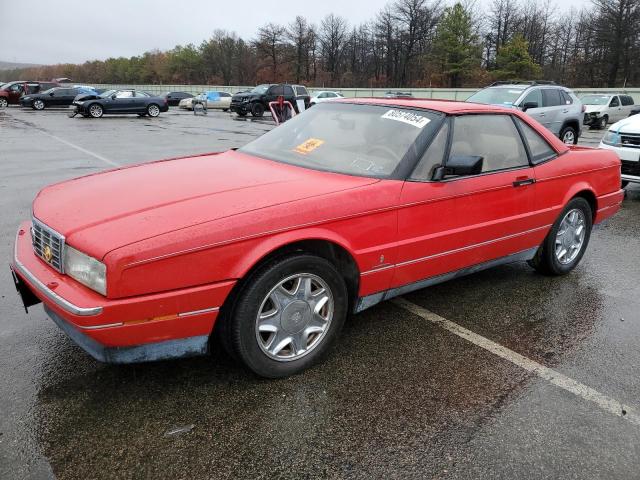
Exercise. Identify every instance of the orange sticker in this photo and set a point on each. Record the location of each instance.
(308, 146)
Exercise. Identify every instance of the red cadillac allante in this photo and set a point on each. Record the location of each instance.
(270, 246)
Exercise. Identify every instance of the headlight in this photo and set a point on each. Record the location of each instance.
(611, 138)
(85, 269)
(594, 114)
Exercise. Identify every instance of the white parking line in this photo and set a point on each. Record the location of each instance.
(83, 150)
(605, 402)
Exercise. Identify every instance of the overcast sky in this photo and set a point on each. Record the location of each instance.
(46, 32)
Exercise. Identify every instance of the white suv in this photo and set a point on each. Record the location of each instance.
(623, 138)
(606, 108)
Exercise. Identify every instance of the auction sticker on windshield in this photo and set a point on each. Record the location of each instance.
(308, 146)
(407, 117)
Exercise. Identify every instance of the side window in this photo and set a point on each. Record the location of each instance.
(323, 95)
(16, 88)
(300, 90)
(331, 95)
(493, 137)
(275, 90)
(124, 94)
(63, 92)
(538, 146)
(224, 94)
(534, 96)
(433, 156)
(566, 98)
(551, 97)
(288, 91)
(614, 102)
(626, 100)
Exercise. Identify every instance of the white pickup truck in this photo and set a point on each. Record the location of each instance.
(601, 109)
(623, 138)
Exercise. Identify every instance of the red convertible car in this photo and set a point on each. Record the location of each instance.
(270, 246)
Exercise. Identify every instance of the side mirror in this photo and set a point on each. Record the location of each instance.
(113, 97)
(459, 165)
(51, 94)
(528, 105)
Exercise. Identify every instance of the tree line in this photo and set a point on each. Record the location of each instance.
(409, 43)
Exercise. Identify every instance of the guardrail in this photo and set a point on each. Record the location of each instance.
(439, 93)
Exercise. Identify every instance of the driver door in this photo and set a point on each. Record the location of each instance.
(122, 103)
(459, 222)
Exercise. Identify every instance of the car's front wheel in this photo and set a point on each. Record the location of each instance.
(569, 135)
(602, 123)
(153, 110)
(96, 111)
(567, 240)
(257, 109)
(287, 315)
(3, 102)
(38, 105)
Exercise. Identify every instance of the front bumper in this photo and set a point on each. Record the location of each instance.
(134, 329)
(630, 158)
(240, 107)
(591, 119)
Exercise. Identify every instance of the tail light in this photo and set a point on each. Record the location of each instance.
(584, 108)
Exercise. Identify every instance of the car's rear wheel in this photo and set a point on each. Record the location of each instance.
(257, 109)
(153, 110)
(567, 240)
(38, 104)
(286, 316)
(569, 135)
(3, 102)
(95, 110)
(602, 123)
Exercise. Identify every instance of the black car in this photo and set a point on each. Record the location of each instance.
(54, 97)
(120, 101)
(398, 95)
(174, 97)
(256, 101)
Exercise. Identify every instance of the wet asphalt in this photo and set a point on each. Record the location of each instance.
(399, 397)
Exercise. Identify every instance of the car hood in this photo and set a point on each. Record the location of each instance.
(102, 212)
(241, 96)
(83, 97)
(594, 108)
(627, 125)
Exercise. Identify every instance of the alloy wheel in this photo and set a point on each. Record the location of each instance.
(95, 110)
(38, 105)
(294, 317)
(570, 236)
(3, 102)
(569, 137)
(153, 110)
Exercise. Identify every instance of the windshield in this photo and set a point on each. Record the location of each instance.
(496, 96)
(363, 140)
(260, 89)
(595, 99)
(108, 93)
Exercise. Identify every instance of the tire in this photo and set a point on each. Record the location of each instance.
(3, 102)
(95, 110)
(569, 135)
(624, 183)
(274, 352)
(602, 123)
(38, 104)
(153, 110)
(547, 259)
(257, 109)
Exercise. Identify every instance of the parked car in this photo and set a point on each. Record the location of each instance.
(606, 108)
(324, 96)
(623, 137)
(174, 98)
(55, 97)
(215, 99)
(554, 106)
(120, 101)
(268, 247)
(398, 95)
(257, 100)
(634, 111)
(11, 92)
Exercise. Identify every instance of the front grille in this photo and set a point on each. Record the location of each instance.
(630, 140)
(631, 168)
(44, 240)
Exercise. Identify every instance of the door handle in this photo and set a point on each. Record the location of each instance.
(522, 181)
(565, 111)
(541, 114)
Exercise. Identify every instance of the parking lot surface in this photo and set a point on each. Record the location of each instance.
(501, 374)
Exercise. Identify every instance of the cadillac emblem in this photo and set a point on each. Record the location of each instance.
(47, 253)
